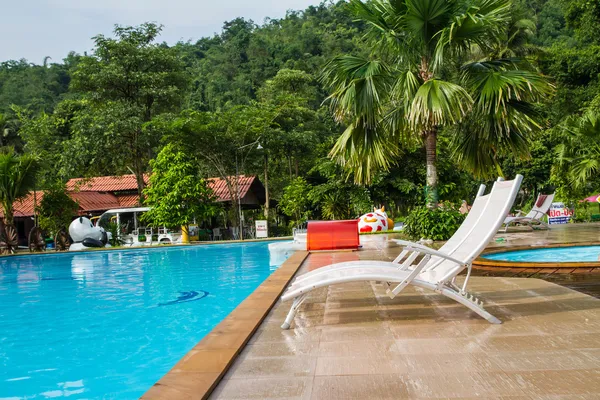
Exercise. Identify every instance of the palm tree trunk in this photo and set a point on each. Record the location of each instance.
(8, 214)
(431, 190)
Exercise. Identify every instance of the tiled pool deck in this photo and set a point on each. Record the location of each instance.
(353, 342)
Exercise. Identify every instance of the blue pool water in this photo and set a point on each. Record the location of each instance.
(556, 254)
(110, 324)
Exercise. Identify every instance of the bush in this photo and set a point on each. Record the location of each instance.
(436, 224)
(56, 209)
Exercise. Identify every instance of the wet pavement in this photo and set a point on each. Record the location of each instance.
(351, 341)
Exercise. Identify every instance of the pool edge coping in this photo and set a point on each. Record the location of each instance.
(158, 246)
(198, 372)
(487, 263)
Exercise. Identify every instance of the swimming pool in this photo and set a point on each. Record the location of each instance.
(549, 255)
(109, 324)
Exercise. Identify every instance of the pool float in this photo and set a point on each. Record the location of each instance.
(85, 235)
(376, 221)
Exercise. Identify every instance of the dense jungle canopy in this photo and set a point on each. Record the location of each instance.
(113, 110)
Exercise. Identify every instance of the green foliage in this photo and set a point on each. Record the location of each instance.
(435, 65)
(56, 209)
(113, 110)
(127, 81)
(17, 178)
(579, 154)
(435, 224)
(176, 193)
(113, 228)
(37, 87)
(294, 202)
(584, 17)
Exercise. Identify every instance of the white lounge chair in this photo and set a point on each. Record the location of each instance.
(534, 216)
(448, 248)
(437, 270)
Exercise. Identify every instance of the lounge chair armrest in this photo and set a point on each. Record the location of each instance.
(519, 213)
(433, 252)
(406, 243)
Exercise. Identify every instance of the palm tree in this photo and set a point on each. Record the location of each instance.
(426, 72)
(17, 178)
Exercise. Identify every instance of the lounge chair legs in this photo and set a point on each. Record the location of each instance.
(295, 305)
(471, 302)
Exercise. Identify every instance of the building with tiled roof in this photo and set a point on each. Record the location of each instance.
(98, 194)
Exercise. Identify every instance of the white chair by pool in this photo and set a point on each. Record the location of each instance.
(540, 208)
(448, 248)
(437, 270)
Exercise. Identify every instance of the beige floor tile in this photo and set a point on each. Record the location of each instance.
(472, 384)
(378, 331)
(438, 346)
(457, 363)
(360, 387)
(281, 349)
(264, 389)
(592, 354)
(543, 361)
(580, 341)
(542, 383)
(499, 344)
(358, 348)
(270, 367)
(362, 365)
(276, 334)
(425, 331)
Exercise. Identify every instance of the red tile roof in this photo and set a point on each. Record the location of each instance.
(88, 202)
(105, 183)
(219, 186)
(95, 194)
(127, 200)
(95, 201)
(128, 183)
(24, 207)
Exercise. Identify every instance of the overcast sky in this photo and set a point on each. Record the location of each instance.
(33, 29)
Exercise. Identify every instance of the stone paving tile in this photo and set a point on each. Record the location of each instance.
(360, 387)
(264, 389)
(271, 367)
(469, 384)
(563, 382)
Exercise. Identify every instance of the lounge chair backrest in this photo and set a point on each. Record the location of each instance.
(464, 229)
(468, 224)
(538, 212)
(500, 201)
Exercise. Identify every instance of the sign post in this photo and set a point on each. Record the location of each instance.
(559, 214)
(262, 229)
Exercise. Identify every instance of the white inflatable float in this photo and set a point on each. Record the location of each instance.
(86, 236)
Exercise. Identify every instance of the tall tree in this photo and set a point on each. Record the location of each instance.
(291, 94)
(421, 78)
(128, 80)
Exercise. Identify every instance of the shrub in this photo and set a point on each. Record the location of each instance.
(436, 224)
(56, 209)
